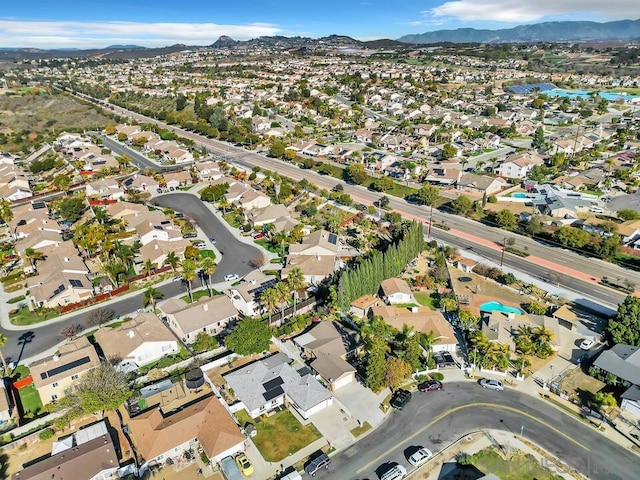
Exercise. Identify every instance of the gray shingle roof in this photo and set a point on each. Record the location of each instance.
(623, 361)
(249, 383)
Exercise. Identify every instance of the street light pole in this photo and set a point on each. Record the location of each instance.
(430, 222)
(521, 429)
(504, 247)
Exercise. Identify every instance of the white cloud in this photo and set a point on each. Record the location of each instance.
(51, 34)
(519, 11)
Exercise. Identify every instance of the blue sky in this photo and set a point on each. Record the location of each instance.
(82, 24)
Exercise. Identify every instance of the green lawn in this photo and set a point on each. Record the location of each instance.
(21, 371)
(280, 435)
(356, 432)
(517, 466)
(425, 299)
(207, 253)
(30, 399)
(197, 295)
(233, 219)
(26, 317)
(266, 244)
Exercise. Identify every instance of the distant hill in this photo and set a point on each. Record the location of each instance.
(539, 32)
(125, 47)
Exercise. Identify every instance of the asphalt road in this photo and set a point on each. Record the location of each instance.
(236, 255)
(436, 419)
(587, 265)
(26, 343)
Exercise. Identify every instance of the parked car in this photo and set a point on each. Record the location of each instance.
(397, 472)
(491, 384)
(190, 235)
(319, 462)
(587, 343)
(400, 398)
(244, 465)
(231, 276)
(258, 236)
(200, 245)
(430, 385)
(420, 457)
(213, 240)
(177, 278)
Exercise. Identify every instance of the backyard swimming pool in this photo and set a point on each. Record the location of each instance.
(497, 306)
(519, 195)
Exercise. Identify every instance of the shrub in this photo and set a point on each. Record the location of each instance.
(492, 199)
(437, 376)
(45, 434)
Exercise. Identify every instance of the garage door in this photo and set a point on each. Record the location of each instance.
(341, 382)
(631, 407)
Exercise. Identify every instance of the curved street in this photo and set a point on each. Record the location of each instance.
(25, 342)
(436, 419)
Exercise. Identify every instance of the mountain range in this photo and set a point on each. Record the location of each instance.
(623, 30)
(539, 32)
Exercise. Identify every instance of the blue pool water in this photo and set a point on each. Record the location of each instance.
(497, 306)
(519, 195)
(559, 92)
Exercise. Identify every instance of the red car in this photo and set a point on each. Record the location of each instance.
(430, 385)
(258, 236)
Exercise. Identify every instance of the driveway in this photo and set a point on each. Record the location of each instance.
(361, 403)
(335, 425)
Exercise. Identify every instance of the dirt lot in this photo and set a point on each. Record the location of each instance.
(576, 381)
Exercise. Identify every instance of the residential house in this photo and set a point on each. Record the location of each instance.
(326, 346)
(175, 180)
(420, 319)
(141, 183)
(315, 256)
(501, 327)
(207, 315)
(61, 278)
(623, 361)
(519, 165)
(137, 342)
(53, 376)
(88, 453)
(318, 243)
(630, 232)
(251, 199)
(443, 175)
(157, 251)
(465, 265)
(208, 170)
(161, 435)
(122, 209)
(396, 290)
(246, 296)
(266, 384)
(104, 189)
(278, 215)
(164, 230)
(481, 184)
(361, 306)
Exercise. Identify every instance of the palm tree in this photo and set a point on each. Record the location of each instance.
(173, 260)
(101, 215)
(543, 334)
(107, 247)
(208, 266)
(269, 301)
(150, 296)
(148, 267)
(34, 257)
(279, 238)
(114, 270)
(188, 274)
(296, 281)
(125, 253)
(427, 341)
(6, 214)
(3, 341)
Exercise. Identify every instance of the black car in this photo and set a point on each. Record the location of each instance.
(321, 461)
(430, 386)
(400, 398)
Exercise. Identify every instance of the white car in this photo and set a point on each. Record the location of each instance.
(491, 384)
(587, 343)
(230, 277)
(420, 457)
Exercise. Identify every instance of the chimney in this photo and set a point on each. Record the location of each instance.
(66, 259)
(56, 357)
(253, 282)
(131, 334)
(511, 316)
(318, 257)
(205, 307)
(155, 246)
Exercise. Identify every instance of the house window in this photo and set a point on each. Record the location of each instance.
(54, 398)
(74, 377)
(54, 384)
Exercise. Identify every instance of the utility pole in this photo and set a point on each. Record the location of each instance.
(430, 222)
(504, 247)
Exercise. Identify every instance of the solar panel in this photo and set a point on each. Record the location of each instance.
(63, 368)
(75, 283)
(273, 383)
(273, 393)
(333, 238)
(262, 287)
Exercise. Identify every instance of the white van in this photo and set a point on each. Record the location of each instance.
(398, 472)
(595, 209)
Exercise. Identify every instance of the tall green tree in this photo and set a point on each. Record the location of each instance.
(208, 267)
(151, 295)
(355, 173)
(189, 269)
(296, 281)
(249, 336)
(506, 219)
(625, 326)
(428, 195)
(6, 214)
(538, 138)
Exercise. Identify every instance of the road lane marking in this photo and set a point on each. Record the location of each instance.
(479, 404)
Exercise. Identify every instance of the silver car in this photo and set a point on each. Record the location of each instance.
(491, 384)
